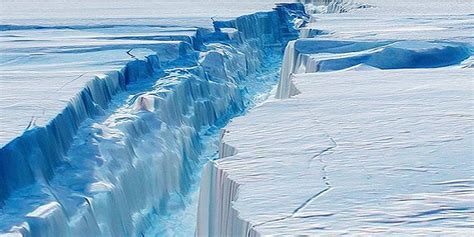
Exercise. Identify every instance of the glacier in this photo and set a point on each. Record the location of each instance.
(116, 141)
(369, 131)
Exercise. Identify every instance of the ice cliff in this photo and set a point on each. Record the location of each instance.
(315, 55)
(128, 142)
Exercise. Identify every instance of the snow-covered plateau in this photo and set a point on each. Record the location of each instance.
(370, 130)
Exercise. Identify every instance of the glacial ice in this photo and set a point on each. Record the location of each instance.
(129, 141)
(313, 55)
(369, 132)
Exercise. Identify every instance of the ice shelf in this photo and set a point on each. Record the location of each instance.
(370, 131)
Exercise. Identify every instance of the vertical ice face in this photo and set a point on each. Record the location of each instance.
(216, 216)
(129, 142)
(286, 88)
(34, 155)
(332, 6)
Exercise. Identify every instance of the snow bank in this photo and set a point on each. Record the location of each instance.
(128, 143)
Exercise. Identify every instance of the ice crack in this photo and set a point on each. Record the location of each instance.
(325, 179)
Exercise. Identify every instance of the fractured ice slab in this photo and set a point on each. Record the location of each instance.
(353, 153)
(370, 132)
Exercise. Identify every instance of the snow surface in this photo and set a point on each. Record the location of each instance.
(128, 9)
(371, 130)
(117, 124)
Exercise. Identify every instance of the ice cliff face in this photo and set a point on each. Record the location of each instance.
(129, 141)
(332, 6)
(314, 55)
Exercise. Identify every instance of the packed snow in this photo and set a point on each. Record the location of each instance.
(369, 132)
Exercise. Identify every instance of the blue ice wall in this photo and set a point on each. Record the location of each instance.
(131, 138)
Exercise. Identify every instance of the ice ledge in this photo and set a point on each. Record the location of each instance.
(315, 55)
(322, 165)
(254, 164)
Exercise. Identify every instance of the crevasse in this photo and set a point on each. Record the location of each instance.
(131, 138)
(216, 215)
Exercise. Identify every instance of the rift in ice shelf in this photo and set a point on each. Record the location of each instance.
(331, 117)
